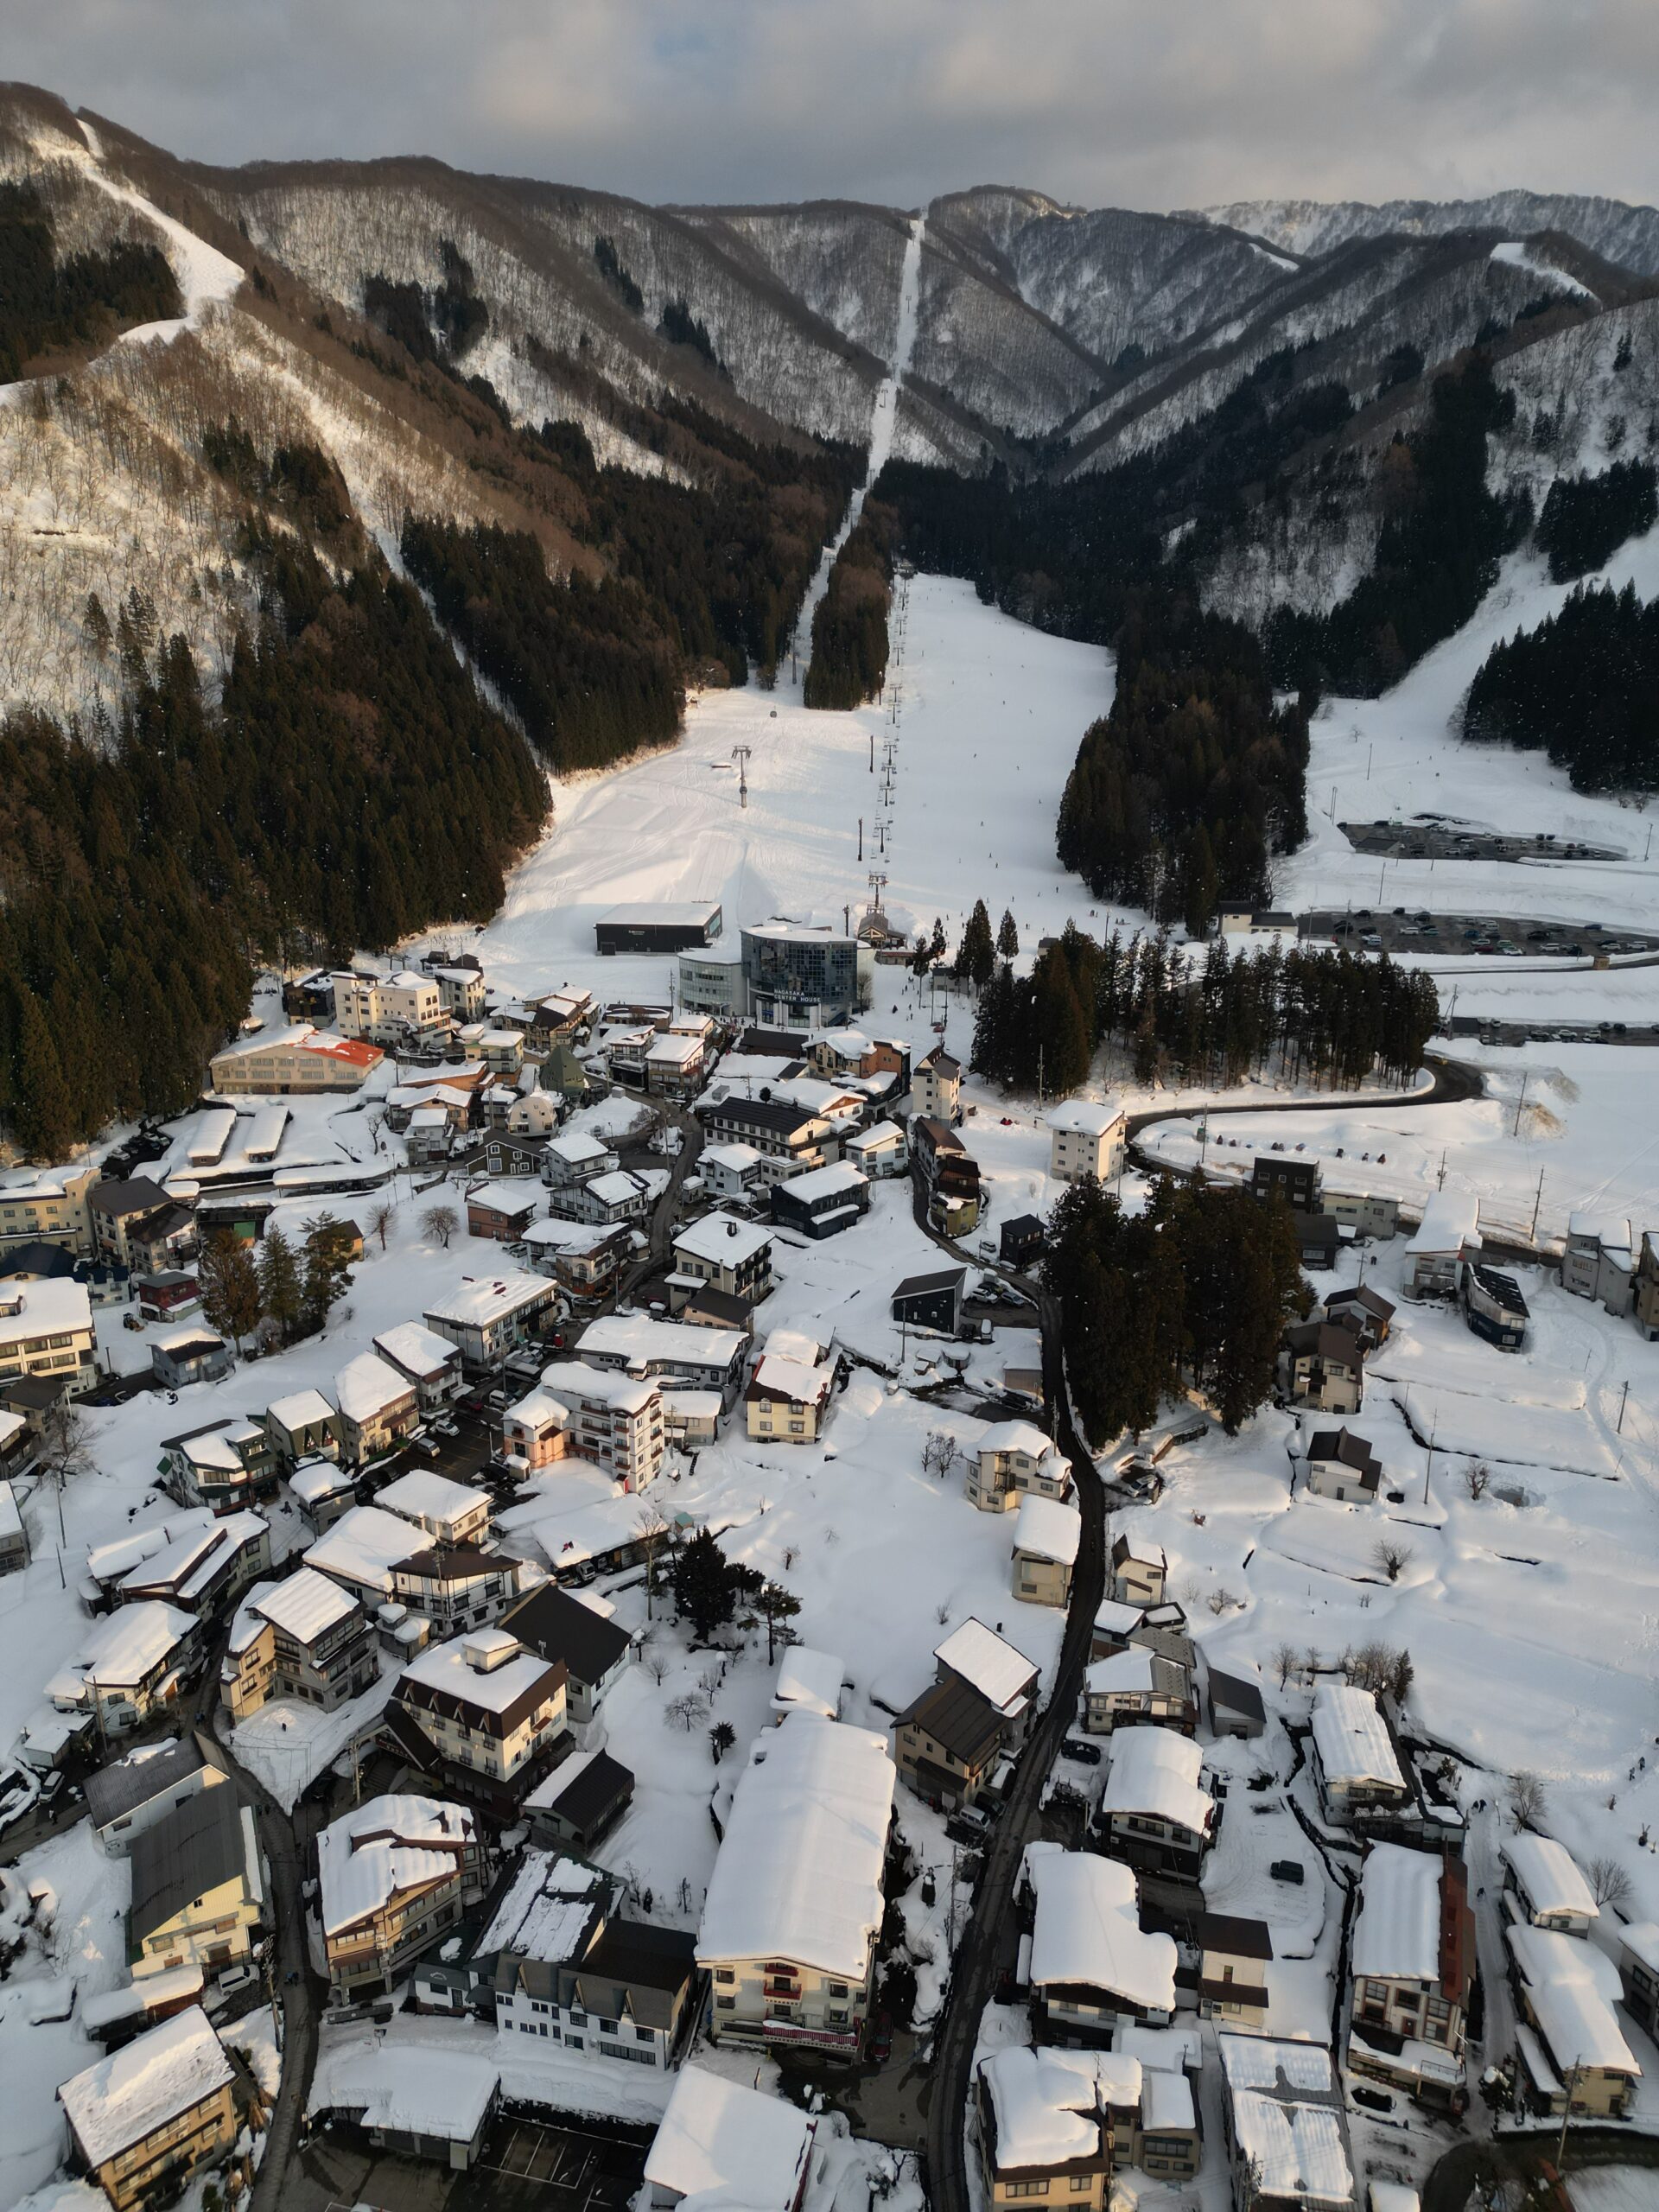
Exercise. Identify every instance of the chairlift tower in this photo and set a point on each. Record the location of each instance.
(742, 754)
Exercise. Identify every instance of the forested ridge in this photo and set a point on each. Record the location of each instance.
(849, 625)
(351, 787)
(1204, 1015)
(48, 302)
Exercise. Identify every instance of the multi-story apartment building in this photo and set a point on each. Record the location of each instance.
(387, 1009)
(733, 1255)
(487, 1317)
(936, 1087)
(46, 1331)
(304, 1638)
(449, 1512)
(52, 1210)
(794, 1906)
(590, 1413)
(378, 1405)
(392, 1876)
(483, 1717)
(154, 2112)
(197, 1887)
(455, 1586)
(128, 1667)
(1086, 1138)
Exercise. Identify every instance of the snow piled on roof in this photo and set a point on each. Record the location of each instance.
(138, 2088)
(369, 1385)
(424, 1495)
(1001, 1674)
(723, 1239)
(1048, 2103)
(799, 1875)
(1156, 1772)
(1549, 1874)
(1298, 2150)
(807, 1681)
(546, 1913)
(300, 1409)
(302, 1606)
(1015, 1436)
(1398, 1931)
(1088, 1929)
(421, 1350)
(1352, 1737)
(381, 1849)
(1089, 1117)
(1572, 1987)
(1451, 1220)
(778, 1377)
(364, 1545)
(445, 2092)
(721, 2141)
(122, 1650)
(1047, 1529)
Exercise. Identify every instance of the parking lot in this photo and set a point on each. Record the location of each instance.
(1430, 838)
(1401, 929)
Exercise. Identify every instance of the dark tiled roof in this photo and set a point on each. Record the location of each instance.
(1237, 1693)
(919, 1286)
(585, 1800)
(558, 1626)
(954, 1714)
(129, 1782)
(189, 1852)
(138, 1196)
(48, 1261)
(1245, 1939)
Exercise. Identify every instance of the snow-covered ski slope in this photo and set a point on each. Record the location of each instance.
(884, 416)
(992, 715)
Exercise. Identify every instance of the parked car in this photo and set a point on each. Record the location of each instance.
(1077, 1747)
(235, 1979)
(1289, 1870)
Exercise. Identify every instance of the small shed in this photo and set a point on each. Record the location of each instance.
(1235, 1705)
(931, 1301)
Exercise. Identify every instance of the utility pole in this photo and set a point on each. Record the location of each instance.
(1429, 1469)
(1623, 1398)
(1537, 1201)
(1521, 1101)
(872, 752)
(860, 838)
(1439, 1180)
(1573, 2073)
(742, 755)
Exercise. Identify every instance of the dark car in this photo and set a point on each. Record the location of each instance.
(882, 2039)
(1074, 1747)
(1373, 2100)
(1289, 1870)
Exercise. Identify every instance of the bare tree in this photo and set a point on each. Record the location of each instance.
(1392, 1554)
(381, 1217)
(689, 1710)
(1284, 1662)
(1526, 1798)
(1222, 1601)
(653, 1524)
(1477, 1479)
(938, 1451)
(65, 1450)
(440, 1222)
(1609, 1883)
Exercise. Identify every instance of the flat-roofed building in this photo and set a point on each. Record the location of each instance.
(489, 1316)
(1086, 1138)
(450, 1512)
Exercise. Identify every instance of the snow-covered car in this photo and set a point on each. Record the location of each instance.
(19, 1791)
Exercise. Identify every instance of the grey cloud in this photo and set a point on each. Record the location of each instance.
(1147, 103)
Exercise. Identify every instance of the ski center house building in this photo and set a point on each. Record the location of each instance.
(804, 974)
(296, 1060)
(659, 926)
(795, 1902)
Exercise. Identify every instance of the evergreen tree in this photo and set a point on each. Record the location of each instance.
(43, 1110)
(230, 1286)
(775, 1604)
(707, 1585)
(976, 959)
(328, 1271)
(281, 1286)
(1008, 936)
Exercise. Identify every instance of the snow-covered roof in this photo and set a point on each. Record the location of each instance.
(580, 1379)
(619, 1188)
(187, 1565)
(1257, 2063)
(303, 1606)
(121, 1650)
(723, 1239)
(46, 1308)
(1641, 1940)
(1548, 1873)
(778, 1377)
(876, 1138)
(549, 1910)
(1115, 1618)
(1398, 1929)
(1001, 1674)
(425, 1496)
(1451, 1220)
(1047, 1529)
(722, 2143)
(450, 1669)
(1572, 1987)
(491, 1298)
(739, 1158)
(1604, 1228)
(826, 1182)
(153, 2079)
(1156, 1772)
(364, 1545)
(1124, 1672)
(1088, 1929)
(313, 1480)
(379, 1850)
(1298, 2152)
(419, 1352)
(673, 1049)
(1165, 2103)
(369, 1385)
(1048, 2103)
(1089, 1117)
(193, 1333)
(410, 2091)
(138, 1998)
(11, 1519)
(799, 1875)
(107, 1563)
(300, 1409)
(797, 1343)
(1015, 1436)
(1352, 1737)
(641, 1336)
(807, 1681)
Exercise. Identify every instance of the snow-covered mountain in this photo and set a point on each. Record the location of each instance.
(1611, 228)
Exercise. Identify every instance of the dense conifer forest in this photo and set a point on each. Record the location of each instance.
(1202, 1014)
(1195, 1290)
(1583, 687)
(47, 303)
(849, 627)
(351, 787)
(1585, 518)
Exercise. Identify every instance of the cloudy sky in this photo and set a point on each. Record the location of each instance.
(1138, 102)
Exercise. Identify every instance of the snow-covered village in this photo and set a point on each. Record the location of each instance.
(828, 1194)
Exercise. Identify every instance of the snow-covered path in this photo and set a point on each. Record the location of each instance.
(884, 416)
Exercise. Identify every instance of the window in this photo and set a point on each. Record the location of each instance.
(1080, 2184)
(1025, 2188)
